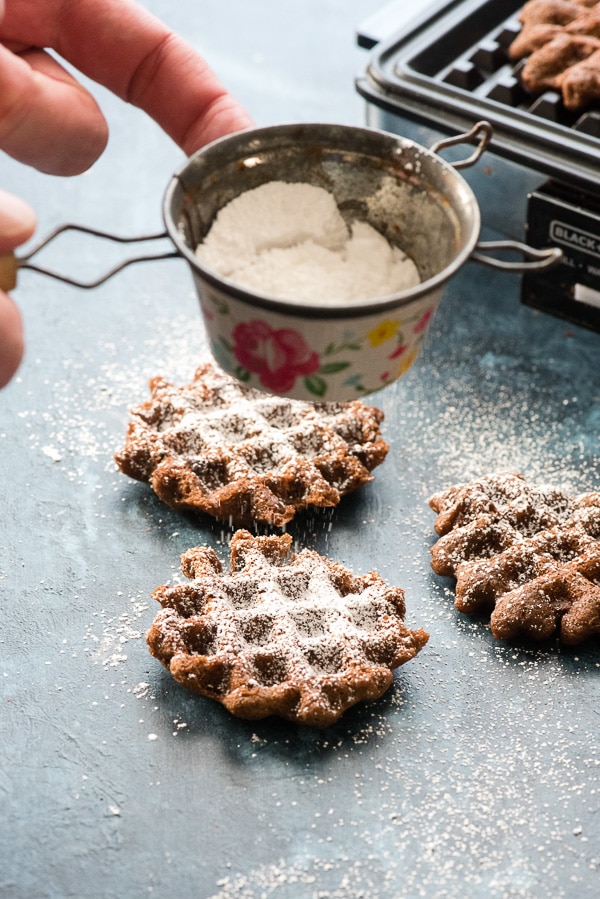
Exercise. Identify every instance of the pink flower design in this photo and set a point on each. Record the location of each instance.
(398, 352)
(277, 356)
(207, 312)
(422, 323)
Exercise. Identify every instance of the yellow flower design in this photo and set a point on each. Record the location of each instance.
(407, 361)
(384, 331)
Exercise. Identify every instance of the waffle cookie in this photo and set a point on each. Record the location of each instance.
(296, 636)
(560, 42)
(242, 456)
(529, 555)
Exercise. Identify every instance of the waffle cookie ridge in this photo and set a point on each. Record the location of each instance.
(218, 447)
(292, 635)
(528, 555)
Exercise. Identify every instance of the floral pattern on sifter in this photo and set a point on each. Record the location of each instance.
(279, 356)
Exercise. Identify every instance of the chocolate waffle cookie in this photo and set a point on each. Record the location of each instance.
(529, 555)
(560, 42)
(245, 457)
(296, 636)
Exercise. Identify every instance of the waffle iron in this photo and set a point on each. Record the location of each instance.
(450, 67)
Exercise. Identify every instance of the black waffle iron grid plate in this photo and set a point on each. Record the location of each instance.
(452, 68)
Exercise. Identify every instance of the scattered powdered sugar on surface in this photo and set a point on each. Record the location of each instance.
(477, 775)
(288, 240)
(141, 690)
(107, 636)
(353, 880)
(474, 778)
(52, 453)
(459, 822)
(472, 420)
(85, 416)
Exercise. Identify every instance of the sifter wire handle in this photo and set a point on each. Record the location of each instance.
(10, 263)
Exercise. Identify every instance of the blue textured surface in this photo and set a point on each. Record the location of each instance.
(477, 775)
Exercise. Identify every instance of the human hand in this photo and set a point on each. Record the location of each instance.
(17, 224)
(50, 121)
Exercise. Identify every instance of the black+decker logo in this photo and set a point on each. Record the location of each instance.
(574, 238)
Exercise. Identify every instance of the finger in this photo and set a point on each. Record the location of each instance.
(135, 55)
(17, 222)
(11, 338)
(203, 111)
(47, 119)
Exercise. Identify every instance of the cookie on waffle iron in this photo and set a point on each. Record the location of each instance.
(529, 555)
(242, 456)
(292, 635)
(560, 43)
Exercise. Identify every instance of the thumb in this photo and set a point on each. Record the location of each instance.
(17, 224)
(11, 338)
(17, 221)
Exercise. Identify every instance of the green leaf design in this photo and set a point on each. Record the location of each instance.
(332, 349)
(220, 306)
(332, 368)
(242, 374)
(315, 385)
(226, 344)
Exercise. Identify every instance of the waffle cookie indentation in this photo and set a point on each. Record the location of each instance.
(529, 555)
(242, 456)
(293, 635)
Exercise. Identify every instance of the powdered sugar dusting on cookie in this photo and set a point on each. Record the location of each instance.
(529, 554)
(219, 447)
(294, 636)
